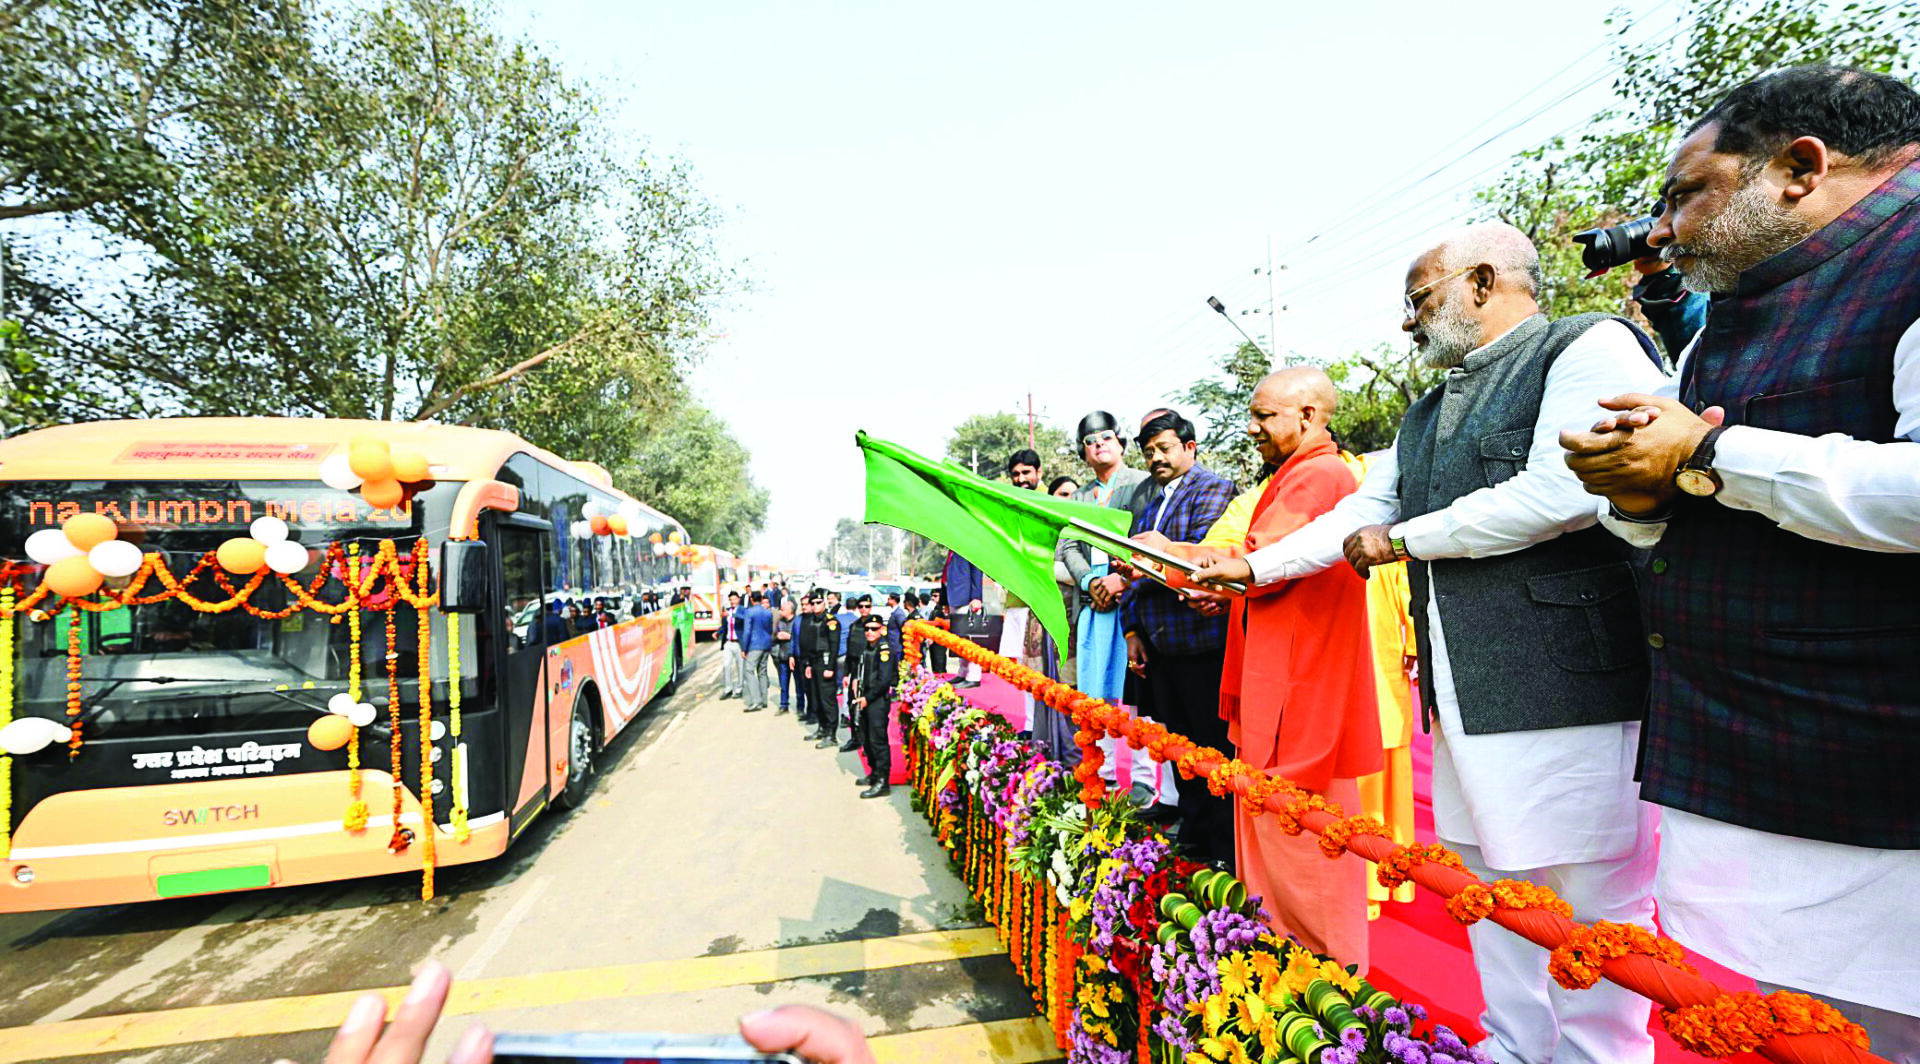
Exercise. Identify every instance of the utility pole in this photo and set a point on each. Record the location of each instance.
(1273, 305)
(1029, 419)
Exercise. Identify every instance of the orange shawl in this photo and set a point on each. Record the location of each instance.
(1297, 688)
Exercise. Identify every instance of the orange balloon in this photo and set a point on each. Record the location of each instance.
(618, 524)
(330, 732)
(74, 577)
(369, 458)
(409, 464)
(655, 538)
(383, 494)
(88, 531)
(600, 525)
(242, 554)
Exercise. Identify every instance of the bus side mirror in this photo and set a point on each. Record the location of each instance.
(463, 576)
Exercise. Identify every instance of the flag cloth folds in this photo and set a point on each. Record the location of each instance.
(1009, 532)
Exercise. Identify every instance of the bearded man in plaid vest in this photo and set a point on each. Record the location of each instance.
(1777, 483)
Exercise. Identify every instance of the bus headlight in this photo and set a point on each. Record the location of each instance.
(22, 875)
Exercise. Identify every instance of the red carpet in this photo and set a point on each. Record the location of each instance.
(1419, 953)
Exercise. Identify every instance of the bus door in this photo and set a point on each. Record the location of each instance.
(522, 550)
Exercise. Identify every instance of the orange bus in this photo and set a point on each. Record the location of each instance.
(711, 576)
(262, 668)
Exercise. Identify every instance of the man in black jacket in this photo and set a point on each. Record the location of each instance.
(823, 670)
(871, 694)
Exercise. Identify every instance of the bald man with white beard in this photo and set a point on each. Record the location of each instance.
(1531, 653)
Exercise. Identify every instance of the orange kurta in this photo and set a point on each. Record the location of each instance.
(1297, 693)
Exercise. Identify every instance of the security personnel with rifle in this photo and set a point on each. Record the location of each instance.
(824, 663)
(870, 697)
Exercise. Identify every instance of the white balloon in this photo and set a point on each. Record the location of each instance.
(287, 557)
(268, 530)
(115, 557)
(590, 508)
(341, 704)
(438, 731)
(30, 735)
(335, 473)
(362, 715)
(49, 545)
(630, 510)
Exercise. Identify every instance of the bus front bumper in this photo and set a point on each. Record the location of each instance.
(126, 844)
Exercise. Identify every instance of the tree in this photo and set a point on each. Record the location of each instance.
(1612, 171)
(409, 218)
(985, 441)
(1375, 390)
(1219, 408)
(692, 468)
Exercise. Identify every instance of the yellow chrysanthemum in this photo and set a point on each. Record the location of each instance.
(1215, 1014)
(1213, 1048)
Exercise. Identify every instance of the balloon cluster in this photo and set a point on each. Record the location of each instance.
(672, 544)
(381, 472)
(265, 546)
(344, 714)
(82, 553)
(596, 520)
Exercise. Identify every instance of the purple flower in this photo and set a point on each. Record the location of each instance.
(1397, 1017)
(1342, 1055)
(1419, 1012)
(1354, 1038)
(1411, 1052)
(1446, 1041)
(1442, 1058)
(1366, 1013)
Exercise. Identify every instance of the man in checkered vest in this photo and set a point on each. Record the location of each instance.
(1776, 481)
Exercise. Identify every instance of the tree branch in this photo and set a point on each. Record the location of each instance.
(441, 406)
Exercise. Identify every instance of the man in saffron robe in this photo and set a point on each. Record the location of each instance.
(1297, 690)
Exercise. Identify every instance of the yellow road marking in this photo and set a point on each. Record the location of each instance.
(244, 1019)
(1001, 1041)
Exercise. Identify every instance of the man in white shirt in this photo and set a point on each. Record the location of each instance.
(1530, 647)
(1777, 482)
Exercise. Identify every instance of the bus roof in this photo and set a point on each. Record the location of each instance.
(249, 448)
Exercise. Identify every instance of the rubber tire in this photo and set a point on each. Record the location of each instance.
(580, 763)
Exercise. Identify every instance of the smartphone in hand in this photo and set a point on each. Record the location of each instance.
(616, 1047)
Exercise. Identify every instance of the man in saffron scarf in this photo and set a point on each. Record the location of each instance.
(1297, 690)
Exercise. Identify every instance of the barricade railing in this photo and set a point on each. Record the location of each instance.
(1701, 1015)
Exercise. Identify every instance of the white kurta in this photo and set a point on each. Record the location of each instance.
(1819, 916)
(1526, 799)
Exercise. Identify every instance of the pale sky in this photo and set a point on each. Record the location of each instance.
(940, 208)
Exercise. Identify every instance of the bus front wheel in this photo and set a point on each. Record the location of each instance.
(673, 678)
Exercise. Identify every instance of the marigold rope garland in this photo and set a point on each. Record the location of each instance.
(1702, 1016)
(6, 718)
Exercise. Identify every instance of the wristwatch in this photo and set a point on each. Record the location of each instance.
(1696, 476)
(1399, 544)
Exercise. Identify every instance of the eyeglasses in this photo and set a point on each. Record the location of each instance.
(1094, 439)
(1406, 301)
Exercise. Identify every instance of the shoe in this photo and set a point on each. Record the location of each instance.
(753, 709)
(849, 746)
(815, 737)
(878, 790)
(966, 683)
(865, 781)
(825, 743)
(782, 711)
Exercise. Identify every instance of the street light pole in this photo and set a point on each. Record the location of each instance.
(1221, 309)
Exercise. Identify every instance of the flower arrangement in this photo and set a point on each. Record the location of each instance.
(1700, 1015)
(1133, 952)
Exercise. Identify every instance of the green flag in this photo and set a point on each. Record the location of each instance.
(1009, 532)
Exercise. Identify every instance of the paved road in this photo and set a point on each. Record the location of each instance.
(720, 865)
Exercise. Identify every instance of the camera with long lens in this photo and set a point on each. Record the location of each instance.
(1615, 245)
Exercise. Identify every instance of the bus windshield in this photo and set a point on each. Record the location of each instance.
(163, 668)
